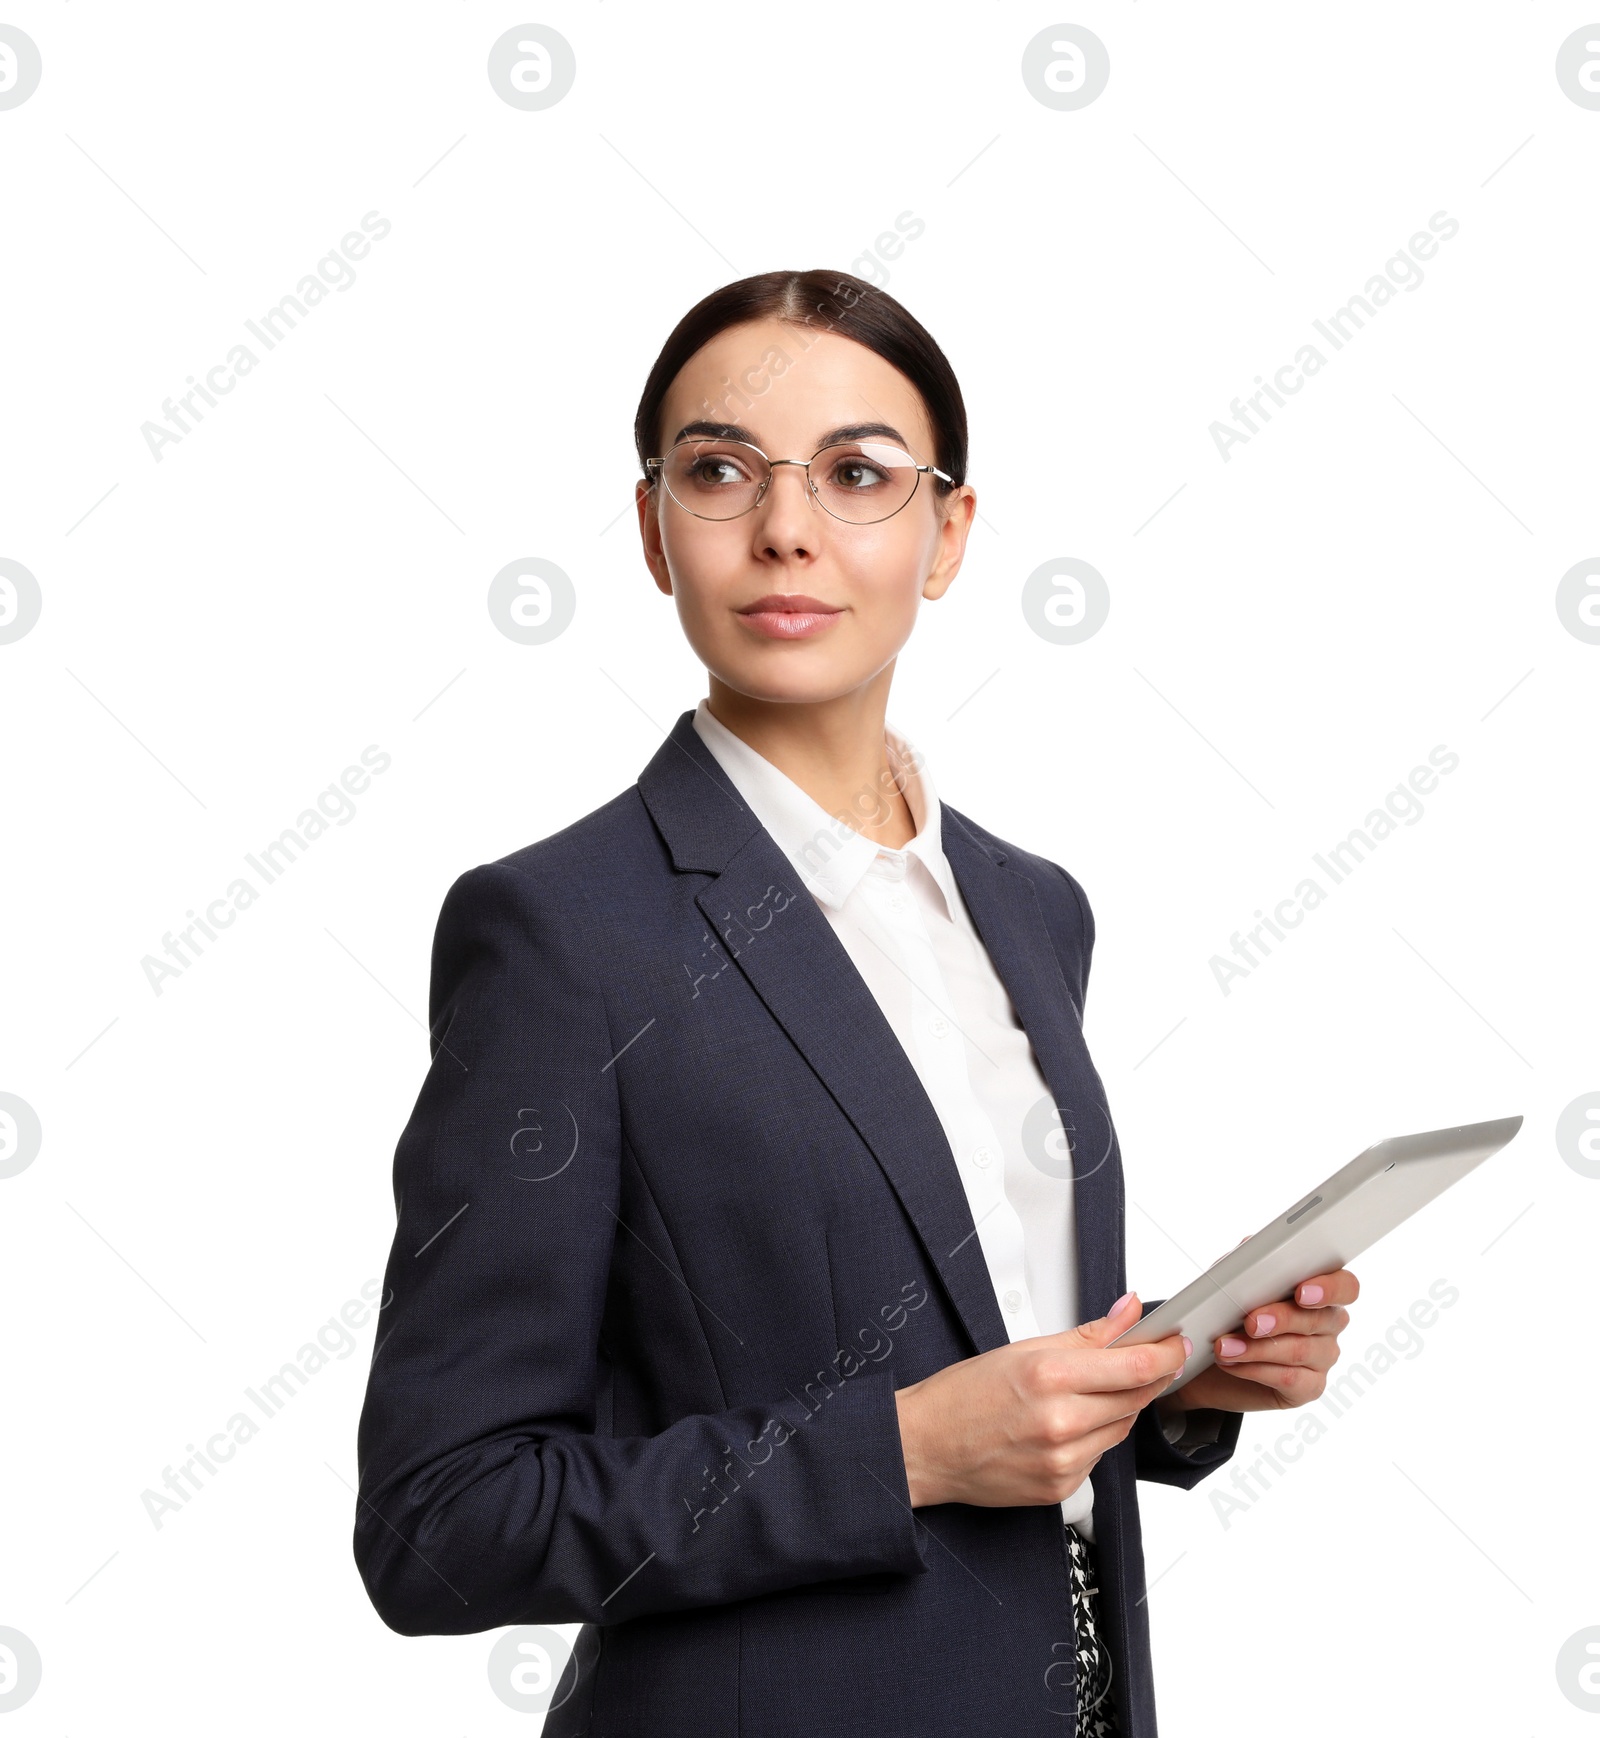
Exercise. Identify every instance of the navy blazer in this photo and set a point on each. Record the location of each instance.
(675, 1220)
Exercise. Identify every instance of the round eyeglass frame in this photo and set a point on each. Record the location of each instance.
(655, 470)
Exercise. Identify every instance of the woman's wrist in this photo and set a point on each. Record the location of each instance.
(910, 1412)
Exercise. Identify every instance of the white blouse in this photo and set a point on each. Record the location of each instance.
(901, 918)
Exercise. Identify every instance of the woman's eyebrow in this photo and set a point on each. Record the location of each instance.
(860, 431)
(733, 431)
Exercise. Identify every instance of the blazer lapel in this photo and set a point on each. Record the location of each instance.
(1005, 910)
(788, 952)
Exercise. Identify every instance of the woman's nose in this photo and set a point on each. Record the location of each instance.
(787, 511)
(801, 481)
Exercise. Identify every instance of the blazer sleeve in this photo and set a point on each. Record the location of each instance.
(1210, 1435)
(1209, 1438)
(1165, 1463)
(487, 1496)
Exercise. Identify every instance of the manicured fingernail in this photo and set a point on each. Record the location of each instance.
(1311, 1294)
(1231, 1346)
(1126, 1298)
(1188, 1346)
(1265, 1324)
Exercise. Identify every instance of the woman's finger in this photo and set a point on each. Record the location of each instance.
(1297, 1383)
(1313, 1351)
(1322, 1289)
(1286, 1318)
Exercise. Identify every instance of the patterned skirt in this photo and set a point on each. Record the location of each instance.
(1097, 1709)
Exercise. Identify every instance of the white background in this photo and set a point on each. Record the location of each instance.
(1291, 631)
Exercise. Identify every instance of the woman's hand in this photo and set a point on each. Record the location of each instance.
(1283, 1356)
(1026, 1422)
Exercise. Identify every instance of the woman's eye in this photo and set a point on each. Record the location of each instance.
(854, 474)
(715, 471)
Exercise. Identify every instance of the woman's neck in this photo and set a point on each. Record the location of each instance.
(835, 750)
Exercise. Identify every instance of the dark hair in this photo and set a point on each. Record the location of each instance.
(826, 302)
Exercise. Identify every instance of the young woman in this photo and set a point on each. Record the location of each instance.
(760, 1228)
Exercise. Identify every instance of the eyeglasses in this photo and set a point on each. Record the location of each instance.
(858, 481)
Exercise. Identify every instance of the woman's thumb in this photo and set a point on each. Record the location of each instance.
(1118, 1319)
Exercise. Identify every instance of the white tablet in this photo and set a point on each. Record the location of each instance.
(1322, 1232)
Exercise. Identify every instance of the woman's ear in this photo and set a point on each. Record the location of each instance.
(644, 500)
(959, 509)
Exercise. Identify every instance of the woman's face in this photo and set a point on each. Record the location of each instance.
(867, 580)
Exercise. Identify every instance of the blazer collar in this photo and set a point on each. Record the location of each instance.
(799, 968)
(695, 805)
(828, 853)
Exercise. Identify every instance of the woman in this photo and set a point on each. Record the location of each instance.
(761, 1218)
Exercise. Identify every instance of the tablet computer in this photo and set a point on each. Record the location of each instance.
(1322, 1231)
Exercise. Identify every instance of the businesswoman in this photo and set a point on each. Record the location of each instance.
(760, 1217)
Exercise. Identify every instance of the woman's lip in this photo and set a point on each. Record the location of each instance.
(789, 615)
(791, 600)
(778, 624)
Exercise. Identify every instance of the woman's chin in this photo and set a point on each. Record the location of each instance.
(788, 687)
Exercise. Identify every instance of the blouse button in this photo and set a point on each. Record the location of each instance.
(939, 1025)
(1013, 1301)
(982, 1156)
